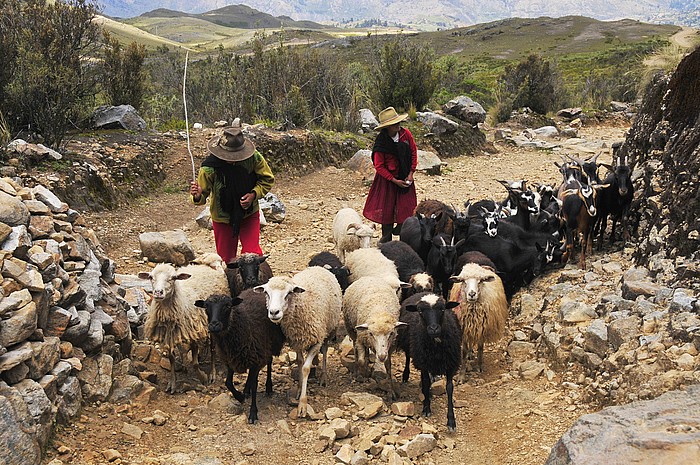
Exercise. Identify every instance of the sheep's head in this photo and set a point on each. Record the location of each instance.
(471, 278)
(381, 331)
(248, 265)
(279, 292)
(364, 232)
(163, 279)
(422, 282)
(431, 308)
(218, 308)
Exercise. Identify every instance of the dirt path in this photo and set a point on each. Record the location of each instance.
(501, 419)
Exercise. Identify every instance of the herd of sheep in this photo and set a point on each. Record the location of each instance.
(438, 294)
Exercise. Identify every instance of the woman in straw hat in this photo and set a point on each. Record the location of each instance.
(234, 176)
(392, 197)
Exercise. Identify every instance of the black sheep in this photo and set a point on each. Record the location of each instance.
(246, 340)
(331, 262)
(247, 271)
(433, 339)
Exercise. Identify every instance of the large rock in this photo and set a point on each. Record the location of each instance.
(437, 124)
(119, 117)
(367, 119)
(663, 430)
(167, 246)
(465, 109)
(273, 208)
(18, 446)
(13, 212)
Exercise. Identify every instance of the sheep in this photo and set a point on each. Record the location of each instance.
(409, 265)
(349, 233)
(371, 316)
(173, 320)
(371, 262)
(211, 259)
(247, 271)
(482, 310)
(307, 306)
(246, 340)
(332, 263)
(433, 339)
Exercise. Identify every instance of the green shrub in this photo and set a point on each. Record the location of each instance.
(532, 83)
(123, 76)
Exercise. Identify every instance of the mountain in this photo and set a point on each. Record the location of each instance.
(427, 14)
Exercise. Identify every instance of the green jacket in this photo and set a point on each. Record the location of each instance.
(210, 185)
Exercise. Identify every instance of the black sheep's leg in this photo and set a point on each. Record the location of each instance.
(406, 369)
(425, 387)
(451, 423)
(229, 384)
(480, 357)
(253, 415)
(268, 381)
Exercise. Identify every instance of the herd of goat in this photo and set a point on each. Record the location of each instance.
(439, 293)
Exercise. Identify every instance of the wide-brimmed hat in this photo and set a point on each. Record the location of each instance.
(231, 145)
(388, 116)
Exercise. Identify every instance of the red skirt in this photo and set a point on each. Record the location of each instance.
(387, 203)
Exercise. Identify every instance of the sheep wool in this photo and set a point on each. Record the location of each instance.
(350, 233)
(370, 262)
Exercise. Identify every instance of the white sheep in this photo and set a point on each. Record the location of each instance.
(371, 262)
(308, 307)
(350, 233)
(482, 309)
(173, 320)
(371, 315)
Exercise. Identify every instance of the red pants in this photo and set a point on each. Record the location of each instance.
(227, 242)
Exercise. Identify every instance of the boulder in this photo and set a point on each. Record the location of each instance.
(437, 124)
(167, 247)
(367, 119)
(118, 117)
(465, 109)
(644, 432)
(273, 208)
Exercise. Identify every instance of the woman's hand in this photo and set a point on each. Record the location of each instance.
(247, 200)
(195, 191)
(401, 182)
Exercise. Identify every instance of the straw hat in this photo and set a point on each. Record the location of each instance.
(388, 116)
(231, 145)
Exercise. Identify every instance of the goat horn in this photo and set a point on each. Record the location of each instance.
(576, 159)
(593, 160)
(443, 241)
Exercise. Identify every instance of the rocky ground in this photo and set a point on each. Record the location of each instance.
(504, 415)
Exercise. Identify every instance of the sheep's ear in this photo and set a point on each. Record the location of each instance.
(488, 279)
(262, 258)
(352, 227)
(490, 268)
(459, 242)
(455, 279)
(539, 247)
(259, 289)
(405, 285)
(232, 265)
(181, 276)
(236, 301)
(328, 267)
(373, 226)
(400, 324)
(144, 275)
(200, 303)
(361, 327)
(451, 304)
(298, 289)
(411, 308)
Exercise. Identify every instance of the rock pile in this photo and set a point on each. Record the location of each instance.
(63, 323)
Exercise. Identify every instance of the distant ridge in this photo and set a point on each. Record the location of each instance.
(237, 16)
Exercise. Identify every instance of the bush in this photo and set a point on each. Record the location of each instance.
(51, 85)
(123, 72)
(532, 83)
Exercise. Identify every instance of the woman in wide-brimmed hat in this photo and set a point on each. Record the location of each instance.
(392, 197)
(234, 176)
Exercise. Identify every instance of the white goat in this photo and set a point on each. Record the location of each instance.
(371, 315)
(173, 320)
(482, 309)
(350, 233)
(308, 307)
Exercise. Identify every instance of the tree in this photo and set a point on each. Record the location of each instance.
(49, 45)
(531, 83)
(405, 75)
(123, 72)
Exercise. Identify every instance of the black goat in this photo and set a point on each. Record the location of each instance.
(246, 340)
(441, 261)
(615, 200)
(417, 231)
(578, 213)
(433, 339)
(331, 262)
(247, 271)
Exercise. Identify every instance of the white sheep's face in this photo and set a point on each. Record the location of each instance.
(163, 280)
(278, 298)
(363, 232)
(470, 287)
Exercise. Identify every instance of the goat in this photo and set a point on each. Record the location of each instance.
(578, 214)
(441, 260)
(433, 339)
(615, 200)
(246, 340)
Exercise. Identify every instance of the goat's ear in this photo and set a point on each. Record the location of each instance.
(259, 289)
(181, 276)
(144, 275)
(400, 324)
(600, 186)
(361, 327)
(298, 290)
(200, 303)
(539, 247)
(411, 308)
(232, 265)
(451, 304)
(609, 167)
(459, 242)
